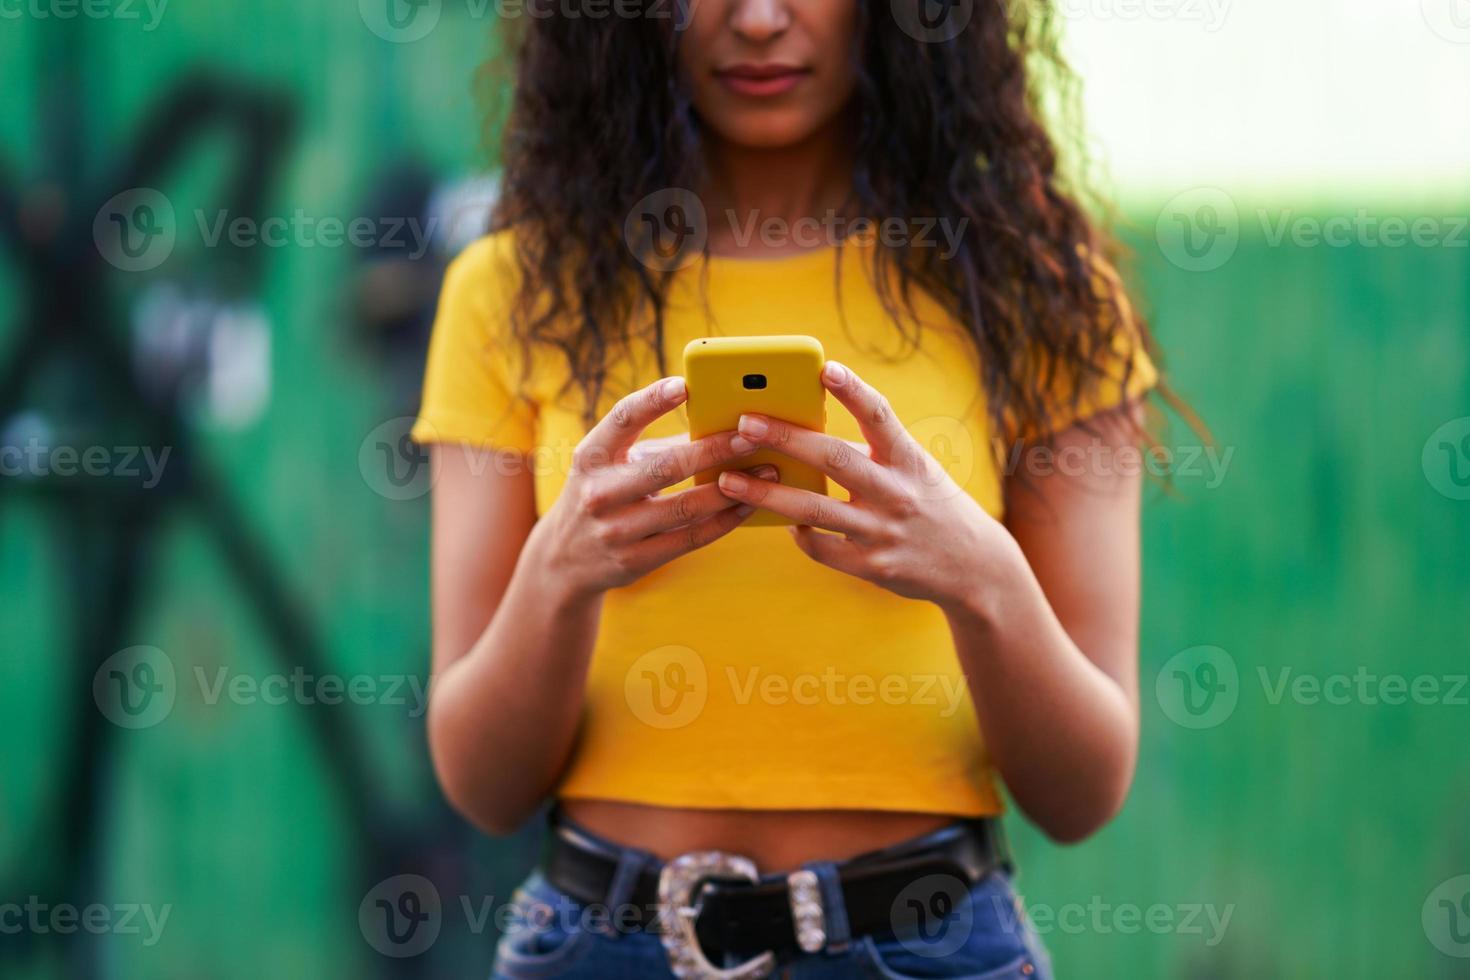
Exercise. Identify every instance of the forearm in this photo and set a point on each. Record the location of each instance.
(503, 718)
(1062, 733)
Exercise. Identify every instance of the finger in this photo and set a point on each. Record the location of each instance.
(884, 432)
(645, 517)
(644, 448)
(802, 506)
(616, 431)
(830, 550)
(666, 467)
(836, 457)
(665, 547)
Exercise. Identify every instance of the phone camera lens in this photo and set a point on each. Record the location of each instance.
(754, 381)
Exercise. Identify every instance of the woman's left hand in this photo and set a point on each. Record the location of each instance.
(908, 526)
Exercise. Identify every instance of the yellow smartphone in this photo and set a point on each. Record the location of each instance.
(779, 376)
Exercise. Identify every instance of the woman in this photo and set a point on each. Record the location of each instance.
(830, 707)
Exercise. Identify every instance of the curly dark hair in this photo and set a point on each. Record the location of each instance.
(599, 119)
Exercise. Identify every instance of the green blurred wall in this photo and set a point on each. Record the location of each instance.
(1325, 549)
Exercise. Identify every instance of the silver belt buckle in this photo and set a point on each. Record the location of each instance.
(679, 907)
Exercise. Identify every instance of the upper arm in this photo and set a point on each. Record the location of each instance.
(483, 508)
(481, 428)
(1077, 521)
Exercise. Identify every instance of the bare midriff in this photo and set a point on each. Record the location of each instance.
(776, 840)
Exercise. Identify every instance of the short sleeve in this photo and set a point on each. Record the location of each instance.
(470, 383)
(1124, 371)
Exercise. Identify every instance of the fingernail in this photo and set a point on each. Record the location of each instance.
(765, 472)
(836, 374)
(674, 389)
(753, 426)
(734, 482)
(745, 510)
(741, 445)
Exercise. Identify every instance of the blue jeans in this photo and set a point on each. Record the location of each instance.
(984, 937)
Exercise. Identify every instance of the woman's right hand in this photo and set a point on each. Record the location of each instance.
(611, 526)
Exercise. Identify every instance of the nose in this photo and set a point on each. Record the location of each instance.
(758, 21)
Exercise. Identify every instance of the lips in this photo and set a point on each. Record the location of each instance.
(762, 81)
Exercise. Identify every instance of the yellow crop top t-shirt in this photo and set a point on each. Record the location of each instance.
(745, 675)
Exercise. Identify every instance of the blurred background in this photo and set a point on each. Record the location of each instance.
(213, 534)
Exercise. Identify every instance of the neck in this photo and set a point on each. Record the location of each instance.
(755, 196)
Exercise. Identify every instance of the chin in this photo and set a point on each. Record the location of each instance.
(768, 130)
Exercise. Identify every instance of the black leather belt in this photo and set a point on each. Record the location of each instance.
(885, 892)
